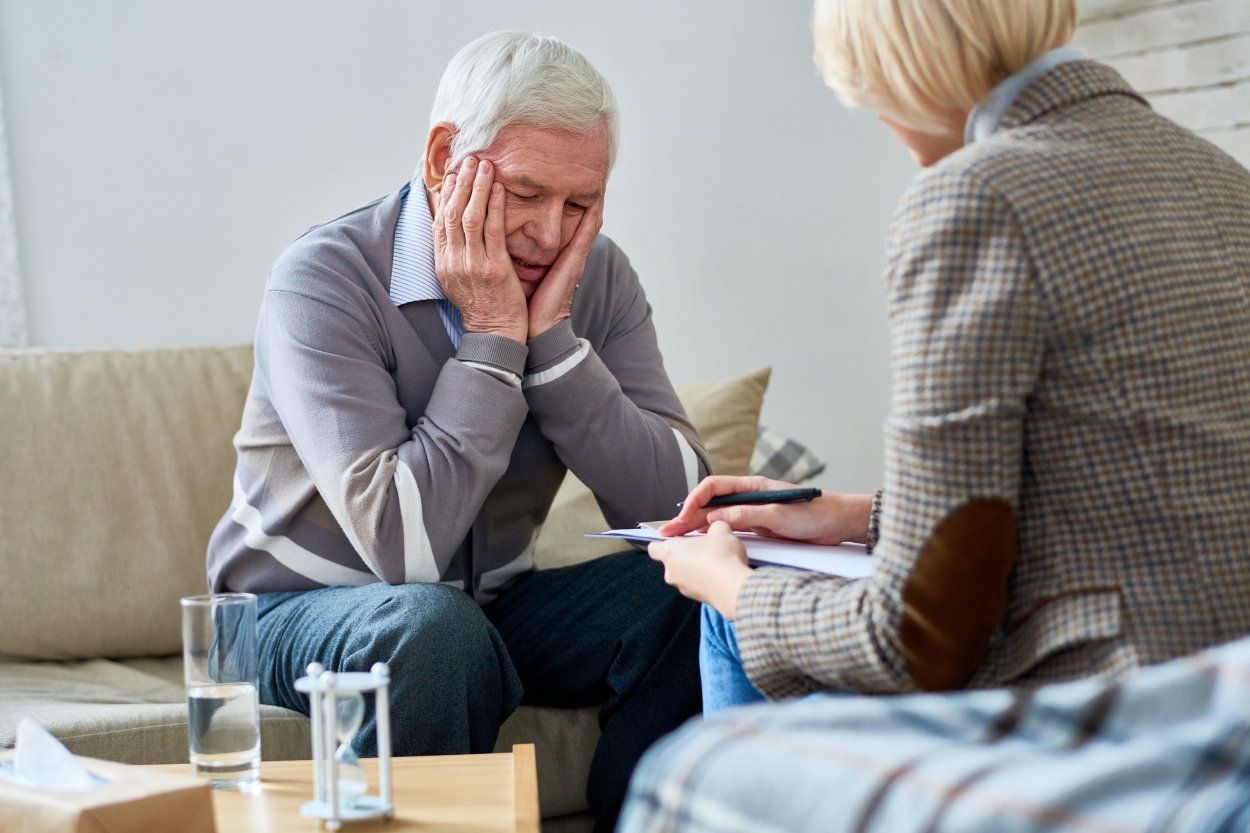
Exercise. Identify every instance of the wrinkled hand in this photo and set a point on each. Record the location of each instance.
(551, 301)
(471, 256)
(709, 568)
(829, 519)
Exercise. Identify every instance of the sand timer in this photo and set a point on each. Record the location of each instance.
(337, 708)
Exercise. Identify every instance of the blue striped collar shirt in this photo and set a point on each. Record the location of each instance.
(988, 115)
(412, 271)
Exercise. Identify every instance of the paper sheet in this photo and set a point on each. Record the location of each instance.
(847, 560)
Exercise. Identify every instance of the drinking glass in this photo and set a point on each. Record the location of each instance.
(223, 706)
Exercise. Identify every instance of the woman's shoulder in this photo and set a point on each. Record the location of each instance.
(964, 209)
(993, 166)
(1019, 173)
(958, 191)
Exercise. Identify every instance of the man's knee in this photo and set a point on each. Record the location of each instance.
(644, 578)
(666, 600)
(428, 623)
(451, 673)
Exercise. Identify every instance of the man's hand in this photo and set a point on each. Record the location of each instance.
(829, 519)
(710, 568)
(470, 254)
(554, 296)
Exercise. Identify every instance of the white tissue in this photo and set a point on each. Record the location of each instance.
(40, 760)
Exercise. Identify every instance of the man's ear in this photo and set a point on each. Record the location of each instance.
(437, 155)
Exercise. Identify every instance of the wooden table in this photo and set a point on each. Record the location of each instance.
(461, 793)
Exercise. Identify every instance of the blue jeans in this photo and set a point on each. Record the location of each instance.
(609, 632)
(725, 683)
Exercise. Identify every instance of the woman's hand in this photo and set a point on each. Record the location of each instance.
(470, 255)
(709, 568)
(829, 519)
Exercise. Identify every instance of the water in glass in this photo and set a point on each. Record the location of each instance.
(225, 733)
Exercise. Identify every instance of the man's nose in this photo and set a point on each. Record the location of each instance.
(544, 228)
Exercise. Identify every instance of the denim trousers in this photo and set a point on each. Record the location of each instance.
(725, 682)
(608, 631)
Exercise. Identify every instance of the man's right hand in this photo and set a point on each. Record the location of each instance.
(829, 519)
(471, 256)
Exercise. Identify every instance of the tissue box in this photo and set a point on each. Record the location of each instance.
(135, 800)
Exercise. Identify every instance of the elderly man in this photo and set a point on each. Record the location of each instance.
(427, 366)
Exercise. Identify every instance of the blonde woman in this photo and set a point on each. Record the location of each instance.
(1067, 457)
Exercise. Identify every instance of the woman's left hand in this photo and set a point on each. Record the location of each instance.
(707, 568)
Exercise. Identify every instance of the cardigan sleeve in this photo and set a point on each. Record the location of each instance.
(608, 407)
(404, 497)
(967, 338)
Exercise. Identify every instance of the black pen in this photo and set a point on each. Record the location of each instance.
(778, 496)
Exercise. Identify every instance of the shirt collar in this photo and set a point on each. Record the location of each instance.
(412, 271)
(988, 115)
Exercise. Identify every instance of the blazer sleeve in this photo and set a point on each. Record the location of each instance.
(967, 339)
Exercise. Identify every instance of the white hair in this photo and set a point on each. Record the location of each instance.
(506, 78)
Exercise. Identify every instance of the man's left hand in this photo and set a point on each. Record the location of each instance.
(552, 300)
(707, 568)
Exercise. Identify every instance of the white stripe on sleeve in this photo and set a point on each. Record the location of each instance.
(290, 554)
(689, 460)
(553, 373)
(419, 564)
(498, 372)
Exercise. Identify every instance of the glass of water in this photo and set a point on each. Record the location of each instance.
(223, 706)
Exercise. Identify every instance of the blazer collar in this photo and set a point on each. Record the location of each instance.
(986, 116)
(1068, 83)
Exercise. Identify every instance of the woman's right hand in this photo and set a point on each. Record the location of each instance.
(829, 519)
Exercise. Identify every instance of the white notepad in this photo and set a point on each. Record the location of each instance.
(847, 560)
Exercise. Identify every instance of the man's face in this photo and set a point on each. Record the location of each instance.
(549, 181)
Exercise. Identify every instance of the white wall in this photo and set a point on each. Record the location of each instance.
(12, 299)
(1191, 59)
(163, 154)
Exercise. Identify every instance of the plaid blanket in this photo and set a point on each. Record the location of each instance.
(1166, 749)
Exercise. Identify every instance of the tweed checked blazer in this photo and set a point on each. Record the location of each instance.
(1070, 338)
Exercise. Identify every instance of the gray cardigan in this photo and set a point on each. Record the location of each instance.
(371, 449)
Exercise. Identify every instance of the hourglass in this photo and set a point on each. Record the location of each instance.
(352, 778)
(340, 783)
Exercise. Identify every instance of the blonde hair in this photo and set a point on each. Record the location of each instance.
(916, 61)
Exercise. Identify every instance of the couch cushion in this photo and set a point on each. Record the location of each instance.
(135, 713)
(727, 414)
(114, 468)
(725, 411)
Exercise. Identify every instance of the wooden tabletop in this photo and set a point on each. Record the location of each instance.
(461, 793)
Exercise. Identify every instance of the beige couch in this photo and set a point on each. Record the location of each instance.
(114, 468)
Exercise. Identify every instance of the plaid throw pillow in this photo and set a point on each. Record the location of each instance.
(781, 458)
